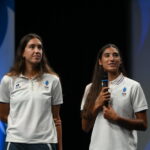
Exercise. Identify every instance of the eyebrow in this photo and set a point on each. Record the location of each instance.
(110, 53)
(32, 44)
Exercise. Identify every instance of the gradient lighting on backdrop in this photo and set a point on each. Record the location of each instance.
(6, 48)
(140, 45)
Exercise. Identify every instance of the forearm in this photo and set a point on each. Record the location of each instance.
(59, 134)
(3, 118)
(96, 109)
(131, 124)
(87, 125)
(137, 123)
(57, 121)
(4, 111)
(88, 118)
(91, 113)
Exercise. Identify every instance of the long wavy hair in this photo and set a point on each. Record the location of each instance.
(96, 81)
(19, 64)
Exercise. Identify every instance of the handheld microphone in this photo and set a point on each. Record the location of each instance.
(105, 80)
(104, 83)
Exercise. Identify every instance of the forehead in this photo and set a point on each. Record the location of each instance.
(111, 50)
(34, 41)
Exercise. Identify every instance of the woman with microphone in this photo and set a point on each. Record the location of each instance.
(113, 125)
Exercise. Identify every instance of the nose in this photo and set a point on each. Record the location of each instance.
(111, 57)
(36, 49)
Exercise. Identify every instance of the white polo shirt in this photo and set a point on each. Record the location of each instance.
(30, 119)
(127, 98)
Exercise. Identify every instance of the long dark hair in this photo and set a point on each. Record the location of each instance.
(19, 64)
(96, 81)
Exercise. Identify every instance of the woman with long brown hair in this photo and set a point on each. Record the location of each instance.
(31, 95)
(113, 125)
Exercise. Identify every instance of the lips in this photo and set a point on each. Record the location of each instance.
(112, 64)
(37, 56)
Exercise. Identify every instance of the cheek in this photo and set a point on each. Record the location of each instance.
(41, 53)
(24, 55)
(119, 62)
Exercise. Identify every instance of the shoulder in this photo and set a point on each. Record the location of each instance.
(6, 82)
(131, 81)
(88, 86)
(52, 78)
(6, 78)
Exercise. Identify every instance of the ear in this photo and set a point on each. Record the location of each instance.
(100, 62)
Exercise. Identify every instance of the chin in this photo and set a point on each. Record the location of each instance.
(112, 70)
(36, 62)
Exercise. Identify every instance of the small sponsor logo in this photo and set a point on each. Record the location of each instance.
(124, 90)
(18, 86)
(46, 83)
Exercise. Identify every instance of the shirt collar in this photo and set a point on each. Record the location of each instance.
(118, 80)
(23, 76)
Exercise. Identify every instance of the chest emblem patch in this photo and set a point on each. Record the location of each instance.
(46, 83)
(18, 86)
(124, 91)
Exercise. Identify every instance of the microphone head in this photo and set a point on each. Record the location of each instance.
(105, 84)
(105, 80)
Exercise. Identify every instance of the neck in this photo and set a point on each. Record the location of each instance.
(112, 76)
(30, 71)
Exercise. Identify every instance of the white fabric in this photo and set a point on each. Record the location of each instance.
(30, 119)
(49, 146)
(8, 146)
(127, 97)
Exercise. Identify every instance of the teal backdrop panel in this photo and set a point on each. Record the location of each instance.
(140, 57)
(7, 19)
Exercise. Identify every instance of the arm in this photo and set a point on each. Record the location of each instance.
(139, 123)
(57, 120)
(88, 119)
(87, 124)
(4, 111)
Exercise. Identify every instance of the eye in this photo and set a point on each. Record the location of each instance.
(106, 55)
(115, 54)
(39, 47)
(32, 46)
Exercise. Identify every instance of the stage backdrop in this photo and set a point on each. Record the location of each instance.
(6, 47)
(140, 59)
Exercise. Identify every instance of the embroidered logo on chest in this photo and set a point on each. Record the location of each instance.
(124, 91)
(18, 86)
(46, 84)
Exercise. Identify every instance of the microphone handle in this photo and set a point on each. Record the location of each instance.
(105, 84)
